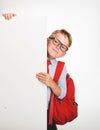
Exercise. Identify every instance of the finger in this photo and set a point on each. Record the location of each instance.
(41, 74)
(42, 80)
(5, 16)
(14, 15)
(9, 16)
(41, 77)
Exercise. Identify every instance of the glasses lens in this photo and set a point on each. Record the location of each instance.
(63, 48)
(57, 42)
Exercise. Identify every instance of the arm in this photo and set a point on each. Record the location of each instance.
(8, 16)
(59, 88)
(48, 81)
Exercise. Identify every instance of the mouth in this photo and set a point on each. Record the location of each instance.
(54, 50)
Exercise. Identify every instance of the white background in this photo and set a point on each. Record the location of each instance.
(81, 19)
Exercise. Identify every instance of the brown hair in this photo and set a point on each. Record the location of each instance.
(65, 33)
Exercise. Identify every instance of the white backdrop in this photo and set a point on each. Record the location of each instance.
(22, 55)
(81, 19)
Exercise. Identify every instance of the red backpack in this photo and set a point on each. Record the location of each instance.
(65, 110)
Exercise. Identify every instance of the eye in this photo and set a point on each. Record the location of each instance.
(63, 47)
(56, 41)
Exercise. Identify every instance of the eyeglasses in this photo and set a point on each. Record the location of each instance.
(56, 42)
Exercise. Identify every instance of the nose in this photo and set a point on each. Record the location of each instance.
(58, 46)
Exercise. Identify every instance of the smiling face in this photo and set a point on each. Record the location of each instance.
(54, 50)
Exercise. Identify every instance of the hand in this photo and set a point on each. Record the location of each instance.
(45, 78)
(9, 16)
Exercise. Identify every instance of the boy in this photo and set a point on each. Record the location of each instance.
(57, 45)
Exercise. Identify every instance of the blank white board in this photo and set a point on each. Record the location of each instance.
(22, 55)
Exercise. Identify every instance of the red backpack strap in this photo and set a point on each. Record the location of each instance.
(70, 88)
(57, 74)
(58, 70)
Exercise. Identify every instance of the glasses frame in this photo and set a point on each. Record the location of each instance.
(56, 42)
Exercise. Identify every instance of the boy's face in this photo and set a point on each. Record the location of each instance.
(54, 50)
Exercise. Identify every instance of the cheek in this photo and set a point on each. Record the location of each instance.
(49, 46)
(62, 54)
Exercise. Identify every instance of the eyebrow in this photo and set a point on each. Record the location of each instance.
(61, 43)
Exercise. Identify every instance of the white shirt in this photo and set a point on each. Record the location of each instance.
(61, 82)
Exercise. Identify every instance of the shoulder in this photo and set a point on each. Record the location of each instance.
(62, 66)
(61, 63)
(55, 61)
